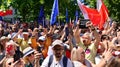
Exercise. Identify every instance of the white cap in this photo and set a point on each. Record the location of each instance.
(42, 38)
(57, 42)
(3, 38)
(25, 33)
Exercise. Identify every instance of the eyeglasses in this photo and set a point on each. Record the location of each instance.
(30, 54)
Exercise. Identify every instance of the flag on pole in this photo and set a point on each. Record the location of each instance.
(67, 18)
(55, 12)
(76, 16)
(41, 16)
(97, 16)
(103, 11)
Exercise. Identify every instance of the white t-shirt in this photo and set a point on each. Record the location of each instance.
(56, 63)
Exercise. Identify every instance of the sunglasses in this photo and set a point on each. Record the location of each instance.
(30, 54)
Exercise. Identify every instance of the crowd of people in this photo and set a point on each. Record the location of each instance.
(69, 45)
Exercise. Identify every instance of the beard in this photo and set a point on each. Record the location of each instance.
(58, 55)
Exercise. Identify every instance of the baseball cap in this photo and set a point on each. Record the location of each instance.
(57, 42)
(42, 38)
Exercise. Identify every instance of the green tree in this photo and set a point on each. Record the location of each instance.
(27, 9)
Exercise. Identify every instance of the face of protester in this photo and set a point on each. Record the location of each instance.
(58, 51)
(31, 57)
(41, 42)
(25, 36)
(10, 49)
(86, 40)
(81, 54)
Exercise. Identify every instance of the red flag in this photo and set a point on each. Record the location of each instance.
(90, 13)
(7, 12)
(93, 15)
(103, 12)
(2, 13)
(97, 16)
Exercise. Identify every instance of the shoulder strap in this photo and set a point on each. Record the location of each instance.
(65, 59)
(50, 60)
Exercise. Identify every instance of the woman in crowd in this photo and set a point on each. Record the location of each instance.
(78, 58)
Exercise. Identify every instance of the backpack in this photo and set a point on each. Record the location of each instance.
(65, 59)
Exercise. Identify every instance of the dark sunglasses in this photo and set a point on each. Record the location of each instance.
(30, 54)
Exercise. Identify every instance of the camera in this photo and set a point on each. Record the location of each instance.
(83, 22)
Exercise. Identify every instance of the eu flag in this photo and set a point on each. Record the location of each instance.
(41, 16)
(67, 18)
(1, 18)
(76, 16)
(55, 12)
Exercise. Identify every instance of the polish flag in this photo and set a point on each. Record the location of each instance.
(97, 16)
(103, 12)
(2, 13)
(7, 12)
(90, 13)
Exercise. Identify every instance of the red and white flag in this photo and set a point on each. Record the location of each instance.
(97, 16)
(103, 12)
(89, 13)
(7, 12)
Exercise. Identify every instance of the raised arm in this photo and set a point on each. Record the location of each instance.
(77, 33)
(95, 33)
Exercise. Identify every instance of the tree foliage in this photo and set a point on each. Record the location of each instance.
(29, 9)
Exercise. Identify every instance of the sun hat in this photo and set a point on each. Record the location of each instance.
(27, 51)
(3, 38)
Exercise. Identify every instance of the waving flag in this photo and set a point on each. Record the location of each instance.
(97, 16)
(103, 12)
(55, 12)
(89, 13)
